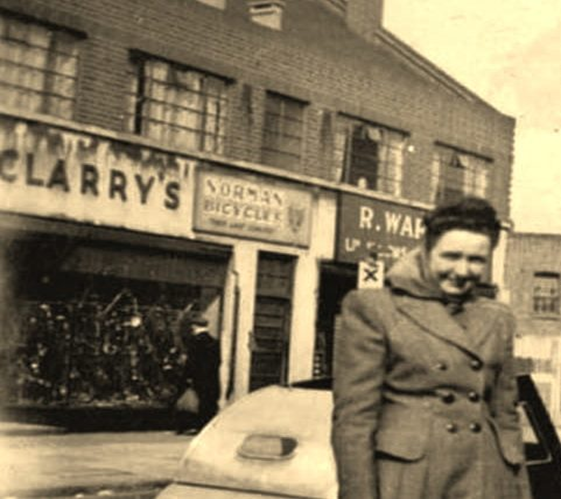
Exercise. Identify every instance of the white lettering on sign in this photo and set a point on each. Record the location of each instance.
(403, 225)
(352, 244)
(370, 226)
(366, 217)
(396, 223)
(397, 251)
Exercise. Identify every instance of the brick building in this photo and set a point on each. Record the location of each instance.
(239, 157)
(533, 269)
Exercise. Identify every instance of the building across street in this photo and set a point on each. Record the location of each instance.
(532, 281)
(248, 160)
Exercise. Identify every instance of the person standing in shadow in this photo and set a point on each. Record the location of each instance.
(200, 399)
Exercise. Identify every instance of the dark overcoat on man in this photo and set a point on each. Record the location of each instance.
(204, 366)
(424, 403)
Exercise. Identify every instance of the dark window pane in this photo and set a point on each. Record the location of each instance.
(546, 293)
(373, 156)
(456, 174)
(282, 131)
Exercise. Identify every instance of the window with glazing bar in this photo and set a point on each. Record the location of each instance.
(282, 131)
(177, 106)
(38, 67)
(369, 156)
(546, 293)
(456, 173)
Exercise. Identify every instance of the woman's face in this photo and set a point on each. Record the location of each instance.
(458, 260)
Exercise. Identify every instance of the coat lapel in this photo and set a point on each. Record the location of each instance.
(432, 316)
(480, 324)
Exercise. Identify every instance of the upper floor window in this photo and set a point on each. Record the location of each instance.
(546, 293)
(178, 106)
(282, 131)
(369, 156)
(38, 67)
(456, 173)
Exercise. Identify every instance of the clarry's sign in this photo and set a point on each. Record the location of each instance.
(252, 206)
(52, 172)
(369, 226)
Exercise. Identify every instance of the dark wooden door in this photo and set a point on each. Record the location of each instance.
(270, 339)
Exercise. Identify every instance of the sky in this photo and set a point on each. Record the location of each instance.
(509, 53)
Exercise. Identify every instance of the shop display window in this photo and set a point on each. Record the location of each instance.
(92, 339)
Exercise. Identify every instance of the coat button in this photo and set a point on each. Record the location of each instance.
(451, 428)
(448, 397)
(441, 366)
(474, 396)
(476, 364)
(475, 427)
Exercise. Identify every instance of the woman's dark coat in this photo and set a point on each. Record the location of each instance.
(424, 408)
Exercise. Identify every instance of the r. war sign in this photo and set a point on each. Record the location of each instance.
(369, 226)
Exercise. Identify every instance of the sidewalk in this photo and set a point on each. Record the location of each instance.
(40, 461)
(10, 428)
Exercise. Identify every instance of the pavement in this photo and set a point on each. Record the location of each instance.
(39, 461)
(43, 461)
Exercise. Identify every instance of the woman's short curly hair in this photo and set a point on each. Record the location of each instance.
(469, 213)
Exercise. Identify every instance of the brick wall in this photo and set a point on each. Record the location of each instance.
(364, 17)
(526, 255)
(315, 58)
(538, 341)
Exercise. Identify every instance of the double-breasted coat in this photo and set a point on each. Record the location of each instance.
(425, 408)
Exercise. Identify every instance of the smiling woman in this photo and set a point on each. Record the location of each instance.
(424, 389)
(458, 243)
(458, 260)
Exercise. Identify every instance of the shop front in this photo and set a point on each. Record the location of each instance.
(98, 262)
(371, 235)
(270, 221)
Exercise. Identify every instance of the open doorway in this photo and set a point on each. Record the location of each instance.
(336, 280)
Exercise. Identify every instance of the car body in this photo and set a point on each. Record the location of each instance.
(275, 442)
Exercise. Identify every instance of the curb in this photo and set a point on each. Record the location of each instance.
(22, 429)
(139, 490)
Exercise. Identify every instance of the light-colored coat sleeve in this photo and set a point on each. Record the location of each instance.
(506, 393)
(506, 398)
(359, 369)
(506, 414)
